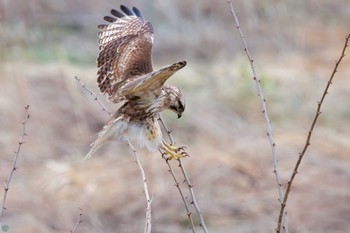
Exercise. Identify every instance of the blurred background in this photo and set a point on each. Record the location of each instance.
(46, 43)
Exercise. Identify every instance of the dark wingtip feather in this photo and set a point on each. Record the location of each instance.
(109, 19)
(137, 12)
(117, 13)
(126, 10)
(102, 26)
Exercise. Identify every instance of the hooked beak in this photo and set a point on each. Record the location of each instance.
(179, 115)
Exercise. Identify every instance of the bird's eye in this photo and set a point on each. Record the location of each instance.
(181, 107)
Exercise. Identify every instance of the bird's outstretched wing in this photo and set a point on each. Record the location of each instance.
(125, 51)
(150, 85)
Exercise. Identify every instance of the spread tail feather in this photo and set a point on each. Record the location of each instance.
(102, 138)
(108, 132)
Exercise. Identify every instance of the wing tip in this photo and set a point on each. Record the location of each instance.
(137, 12)
(125, 11)
(109, 19)
(180, 64)
(102, 26)
(183, 63)
(117, 13)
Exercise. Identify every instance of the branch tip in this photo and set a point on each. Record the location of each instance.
(14, 167)
(263, 103)
(307, 142)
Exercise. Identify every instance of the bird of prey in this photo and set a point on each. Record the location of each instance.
(125, 73)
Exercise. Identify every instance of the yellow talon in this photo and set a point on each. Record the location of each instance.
(173, 152)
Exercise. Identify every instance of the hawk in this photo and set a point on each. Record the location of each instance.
(125, 73)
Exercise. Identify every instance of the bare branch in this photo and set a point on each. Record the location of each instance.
(189, 214)
(190, 187)
(13, 169)
(93, 95)
(160, 119)
(148, 221)
(193, 196)
(267, 118)
(75, 227)
(307, 142)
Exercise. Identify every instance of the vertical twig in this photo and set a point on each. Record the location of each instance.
(14, 168)
(267, 119)
(189, 185)
(148, 221)
(189, 214)
(160, 119)
(75, 227)
(193, 196)
(307, 142)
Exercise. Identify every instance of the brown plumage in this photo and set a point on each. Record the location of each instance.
(125, 73)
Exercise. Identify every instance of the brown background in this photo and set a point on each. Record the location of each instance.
(46, 43)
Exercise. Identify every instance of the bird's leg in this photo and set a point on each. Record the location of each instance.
(172, 151)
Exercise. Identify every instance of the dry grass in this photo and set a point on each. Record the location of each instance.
(223, 128)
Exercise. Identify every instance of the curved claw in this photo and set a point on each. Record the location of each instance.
(182, 148)
(185, 154)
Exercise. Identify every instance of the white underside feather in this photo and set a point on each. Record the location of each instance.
(121, 129)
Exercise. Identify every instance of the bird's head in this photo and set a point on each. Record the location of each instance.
(176, 100)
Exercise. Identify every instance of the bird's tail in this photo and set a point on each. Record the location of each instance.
(108, 132)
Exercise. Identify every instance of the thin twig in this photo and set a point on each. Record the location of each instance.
(189, 214)
(189, 185)
(94, 95)
(75, 227)
(307, 142)
(267, 119)
(148, 220)
(14, 168)
(193, 196)
(160, 119)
